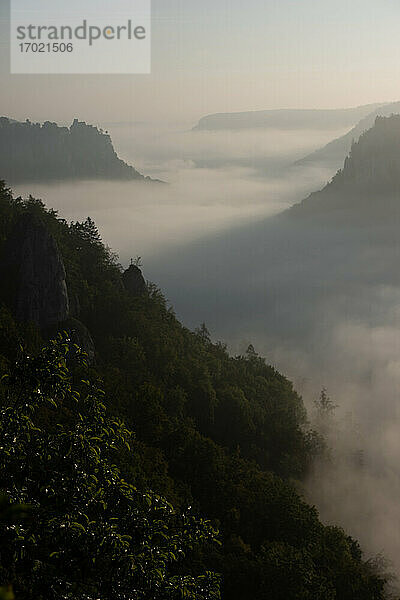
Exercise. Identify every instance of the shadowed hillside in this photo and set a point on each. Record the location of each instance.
(35, 152)
(333, 154)
(226, 435)
(368, 186)
(317, 289)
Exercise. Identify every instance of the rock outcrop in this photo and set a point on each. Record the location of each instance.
(35, 152)
(134, 281)
(34, 283)
(367, 189)
(334, 153)
(34, 275)
(80, 335)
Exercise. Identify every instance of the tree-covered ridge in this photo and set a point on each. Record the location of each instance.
(367, 188)
(333, 154)
(35, 152)
(225, 435)
(375, 159)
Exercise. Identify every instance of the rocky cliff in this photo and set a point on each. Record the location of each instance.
(133, 281)
(33, 274)
(375, 158)
(35, 152)
(34, 282)
(367, 189)
(333, 154)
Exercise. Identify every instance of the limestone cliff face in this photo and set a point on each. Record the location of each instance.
(134, 282)
(34, 283)
(34, 274)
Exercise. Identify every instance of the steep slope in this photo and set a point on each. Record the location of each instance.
(33, 275)
(368, 187)
(225, 435)
(333, 154)
(35, 152)
(285, 119)
(281, 281)
(317, 289)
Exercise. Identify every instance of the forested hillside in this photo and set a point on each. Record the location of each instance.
(35, 152)
(367, 188)
(226, 436)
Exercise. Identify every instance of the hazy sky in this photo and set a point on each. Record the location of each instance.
(227, 55)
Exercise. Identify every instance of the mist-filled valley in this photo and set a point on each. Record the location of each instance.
(199, 300)
(315, 289)
(316, 293)
(215, 180)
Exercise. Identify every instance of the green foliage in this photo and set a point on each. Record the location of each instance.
(92, 534)
(226, 435)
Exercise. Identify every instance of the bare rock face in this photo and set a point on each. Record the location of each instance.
(33, 283)
(134, 282)
(79, 334)
(34, 273)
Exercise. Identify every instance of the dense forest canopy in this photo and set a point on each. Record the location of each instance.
(226, 436)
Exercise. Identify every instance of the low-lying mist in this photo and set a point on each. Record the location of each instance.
(145, 219)
(155, 149)
(320, 302)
